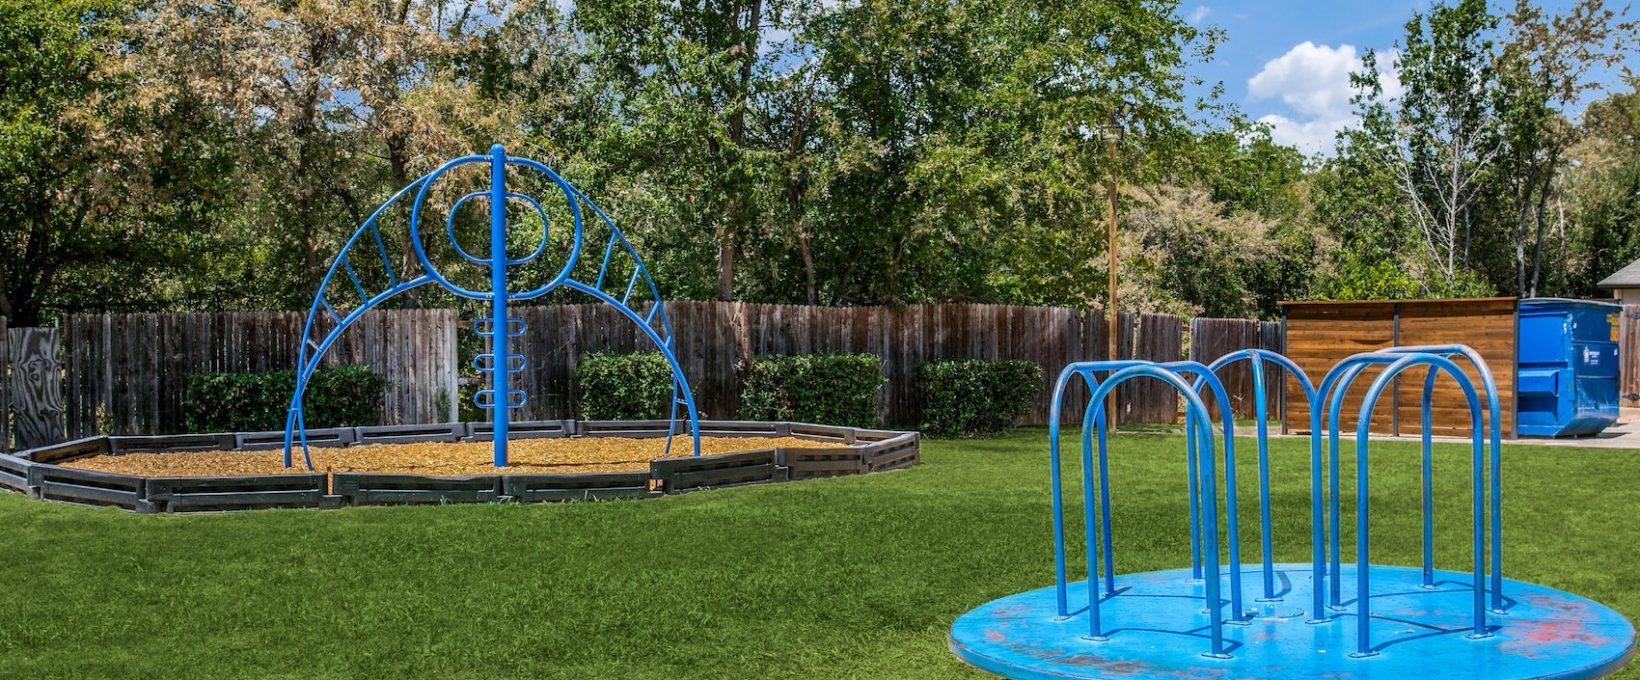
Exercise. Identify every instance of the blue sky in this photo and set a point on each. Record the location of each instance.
(1287, 62)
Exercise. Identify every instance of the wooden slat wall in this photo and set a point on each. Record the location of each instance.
(1319, 335)
(126, 374)
(1628, 352)
(1214, 338)
(1486, 325)
(5, 389)
(715, 339)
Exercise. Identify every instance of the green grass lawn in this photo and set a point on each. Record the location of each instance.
(848, 577)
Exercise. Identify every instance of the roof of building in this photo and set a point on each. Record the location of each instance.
(1627, 277)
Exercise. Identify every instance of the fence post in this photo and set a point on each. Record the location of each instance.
(1628, 356)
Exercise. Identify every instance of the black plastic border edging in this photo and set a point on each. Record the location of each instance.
(369, 488)
(179, 494)
(676, 475)
(35, 472)
(576, 487)
(57, 483)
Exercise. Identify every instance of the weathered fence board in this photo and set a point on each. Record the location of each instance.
(36, 386)
(1214, 338)
(5, 390)
(127, 373)
(714, 341)
(1628, 352)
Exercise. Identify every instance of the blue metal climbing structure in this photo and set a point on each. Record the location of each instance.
(327, 319)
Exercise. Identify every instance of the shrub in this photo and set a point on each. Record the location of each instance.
(624, 386)
(829, 389)
(345, 396)
(977, 396)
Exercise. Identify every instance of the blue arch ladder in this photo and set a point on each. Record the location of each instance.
(499, 363)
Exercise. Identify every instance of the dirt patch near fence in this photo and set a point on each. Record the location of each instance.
(440, 459)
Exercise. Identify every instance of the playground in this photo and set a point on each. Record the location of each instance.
(849, 577)
(1256, 589)
(1044, 341)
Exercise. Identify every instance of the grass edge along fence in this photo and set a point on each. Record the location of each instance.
(127, 369)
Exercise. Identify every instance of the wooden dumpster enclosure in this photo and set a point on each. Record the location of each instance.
(1322, 333)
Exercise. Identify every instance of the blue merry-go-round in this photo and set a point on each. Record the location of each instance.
(1219, 618)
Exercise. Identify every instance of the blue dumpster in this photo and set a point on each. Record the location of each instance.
(1568, 367)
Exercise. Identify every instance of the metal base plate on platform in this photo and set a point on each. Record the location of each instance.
(1156, 626)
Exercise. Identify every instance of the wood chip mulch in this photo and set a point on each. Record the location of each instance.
(525, 456)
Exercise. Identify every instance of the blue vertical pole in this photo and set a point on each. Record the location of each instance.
(1317, 540)
(500, 377)
(1058, 492)
(1426, 421)
(1190, 447)
(1260, 409)
(1090, 421)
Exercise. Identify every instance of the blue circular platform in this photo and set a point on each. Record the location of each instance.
(1157, 627)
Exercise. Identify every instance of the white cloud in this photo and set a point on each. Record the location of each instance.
(1198, 14)
(1314, 82)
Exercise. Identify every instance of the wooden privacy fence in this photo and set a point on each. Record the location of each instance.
(126, 374)
(1214, 338)
(1321, 334)
(716, 339)
(1628, 356)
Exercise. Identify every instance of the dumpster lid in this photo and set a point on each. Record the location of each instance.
(1574, 301)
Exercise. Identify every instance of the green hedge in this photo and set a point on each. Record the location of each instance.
(624, 386)
(970, 397)
(828, 389)
(345, 396)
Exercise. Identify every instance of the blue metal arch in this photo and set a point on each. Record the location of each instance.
(1255, 358)
(1403, 361)
(1334, 387)
(1197, 419)
(656, 325)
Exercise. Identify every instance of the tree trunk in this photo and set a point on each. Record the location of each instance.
(810, 295)
(398, 163)
(726, 264)
(1542, 207)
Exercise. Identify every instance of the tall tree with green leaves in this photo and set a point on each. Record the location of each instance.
(1543, 69)
(1439, 140)
(107, 196)
(965, 156)
(687, 79)
(334, 107)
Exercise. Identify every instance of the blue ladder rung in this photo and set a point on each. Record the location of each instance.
(485, 399)
(483, 326)
(485, 362)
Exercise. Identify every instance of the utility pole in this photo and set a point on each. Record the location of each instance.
(1112, 134)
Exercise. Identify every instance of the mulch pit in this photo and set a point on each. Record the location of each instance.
(437, 459)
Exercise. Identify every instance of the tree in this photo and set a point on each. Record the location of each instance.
(334, 106)
(105, 193)
(688, 77)
(1439, 141)
(1602, 194)
(964, 158)
(1544, 72)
